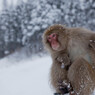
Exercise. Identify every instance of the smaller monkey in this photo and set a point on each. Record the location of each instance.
(60, 58)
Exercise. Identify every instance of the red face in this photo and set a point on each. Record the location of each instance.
(53, 40)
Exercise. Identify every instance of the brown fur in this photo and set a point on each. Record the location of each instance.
(75, 43)
(57, 74)
(82, 77)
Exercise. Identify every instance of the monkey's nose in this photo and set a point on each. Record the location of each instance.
(51, 35)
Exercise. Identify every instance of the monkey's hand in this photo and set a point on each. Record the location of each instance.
(64, 60)
(64, 86)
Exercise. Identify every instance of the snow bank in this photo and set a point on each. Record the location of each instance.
(27, 77)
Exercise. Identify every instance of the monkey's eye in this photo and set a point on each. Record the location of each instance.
(53, 35)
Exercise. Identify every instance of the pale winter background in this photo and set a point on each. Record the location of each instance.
(24, 64)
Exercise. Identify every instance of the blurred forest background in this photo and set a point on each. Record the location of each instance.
(22, 25)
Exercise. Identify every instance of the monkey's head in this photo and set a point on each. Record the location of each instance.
(55, 38)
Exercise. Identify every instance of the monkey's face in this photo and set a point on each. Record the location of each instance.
(55, 38)
(53, 41)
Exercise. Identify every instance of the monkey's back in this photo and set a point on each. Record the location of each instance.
(78, 45)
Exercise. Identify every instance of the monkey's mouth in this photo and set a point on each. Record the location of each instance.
(55, 45)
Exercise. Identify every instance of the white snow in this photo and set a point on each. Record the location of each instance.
(25, 77)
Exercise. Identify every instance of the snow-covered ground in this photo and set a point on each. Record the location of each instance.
(25, 77)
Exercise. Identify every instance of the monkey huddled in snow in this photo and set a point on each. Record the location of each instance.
(73, 54)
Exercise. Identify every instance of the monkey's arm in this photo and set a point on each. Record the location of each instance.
(64, 60)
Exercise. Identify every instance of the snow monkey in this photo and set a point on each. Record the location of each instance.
(73, 54)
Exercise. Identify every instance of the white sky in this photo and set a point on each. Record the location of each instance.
(0, 4)
(9, 2)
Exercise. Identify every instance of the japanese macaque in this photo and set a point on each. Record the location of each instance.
(60, 57)
(73, 54)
